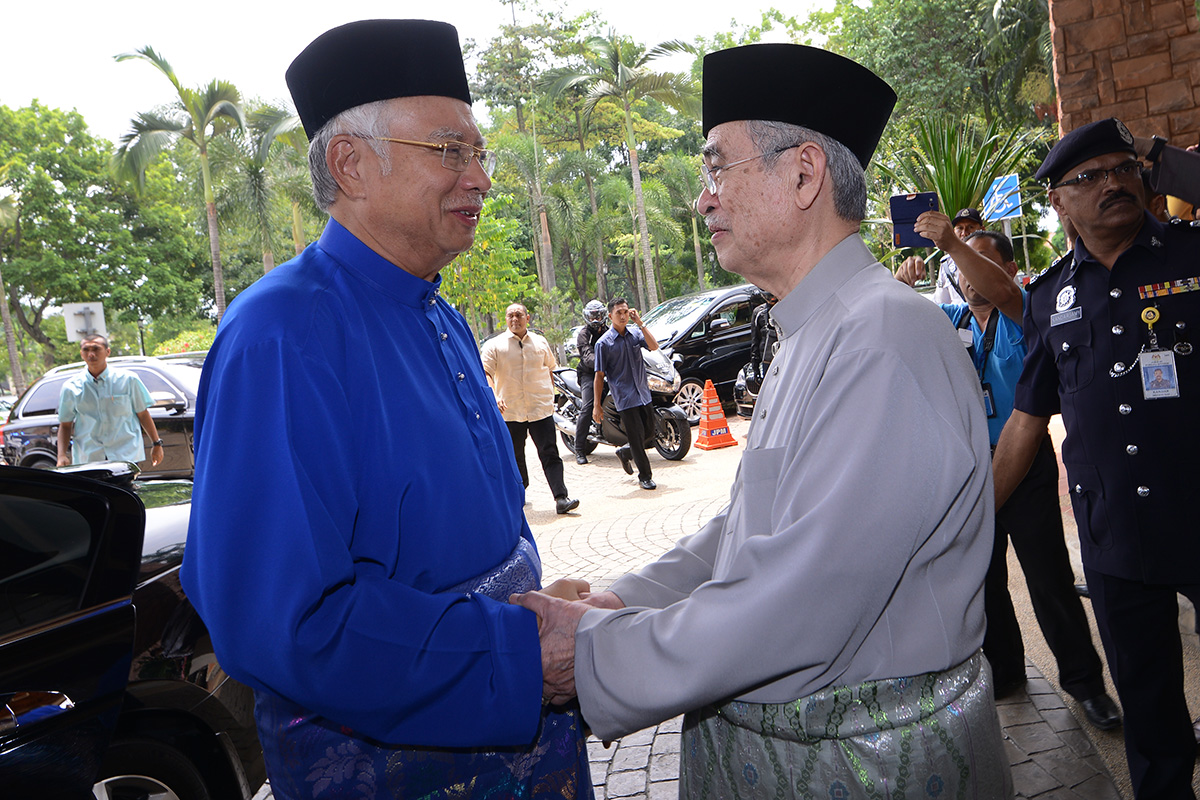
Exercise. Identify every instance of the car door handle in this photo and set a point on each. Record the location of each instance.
(23, 708)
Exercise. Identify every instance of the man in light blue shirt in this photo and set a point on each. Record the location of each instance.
(104, 410)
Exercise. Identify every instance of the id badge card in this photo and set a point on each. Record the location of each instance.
(988, 405)
(1159, 378)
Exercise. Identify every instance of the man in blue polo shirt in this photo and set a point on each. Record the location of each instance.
(990, 321)
(618, 355)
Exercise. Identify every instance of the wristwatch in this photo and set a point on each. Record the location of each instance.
(1156, 148)
(157, 443)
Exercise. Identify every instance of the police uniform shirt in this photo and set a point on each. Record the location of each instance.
(1131, 462)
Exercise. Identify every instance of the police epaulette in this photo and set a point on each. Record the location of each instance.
(1055, 267)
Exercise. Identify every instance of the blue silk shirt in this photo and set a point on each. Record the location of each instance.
(351, 466)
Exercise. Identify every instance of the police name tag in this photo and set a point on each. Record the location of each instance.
(1159, 379)
(1066, 316)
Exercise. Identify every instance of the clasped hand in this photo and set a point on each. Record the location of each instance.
(559, 607)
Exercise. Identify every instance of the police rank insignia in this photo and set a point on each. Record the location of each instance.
(1065, 299)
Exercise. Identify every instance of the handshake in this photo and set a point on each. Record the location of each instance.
(559, 608)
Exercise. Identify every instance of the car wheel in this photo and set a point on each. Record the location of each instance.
(42, 463)
(569, 441)
(691, 397)
(673, 438)
(144, 768)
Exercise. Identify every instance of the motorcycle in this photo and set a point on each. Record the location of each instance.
(672, 434)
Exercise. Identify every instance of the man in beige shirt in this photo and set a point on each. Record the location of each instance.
(519, 365)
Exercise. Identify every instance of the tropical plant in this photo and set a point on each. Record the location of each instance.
(258, 165)
(681, 175)
(8, 222)
(196, 115)
(958, 161)
(618, 72)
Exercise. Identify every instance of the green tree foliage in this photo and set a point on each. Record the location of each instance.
(79, 236)
(196, 116)
(484, 280)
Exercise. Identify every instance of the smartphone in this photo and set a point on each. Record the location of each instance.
(905, 210)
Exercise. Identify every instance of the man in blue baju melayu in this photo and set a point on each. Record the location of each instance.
(357, 521)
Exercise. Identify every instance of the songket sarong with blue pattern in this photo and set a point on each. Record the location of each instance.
(935, 735)
(309, 757)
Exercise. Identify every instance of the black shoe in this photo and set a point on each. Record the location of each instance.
(649, 484)
(581, 459)
(1102, 712)
(1009, 687)
(565, 504)
(626, 457)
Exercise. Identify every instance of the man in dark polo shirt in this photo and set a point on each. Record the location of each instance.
(1097, 324)
(618, 355)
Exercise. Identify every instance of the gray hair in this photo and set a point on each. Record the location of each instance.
(849, 181)
(367, 122)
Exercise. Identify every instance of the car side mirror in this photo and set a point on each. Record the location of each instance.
(718, 324)
(167, 400)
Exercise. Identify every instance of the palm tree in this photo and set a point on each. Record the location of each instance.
(681, 174)
(520, 151)
(197, 115)
(619, 73)
(9, 218)
(255, 163)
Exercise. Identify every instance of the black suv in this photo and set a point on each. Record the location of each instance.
(708, 336)
(108, 684)
(30, 438)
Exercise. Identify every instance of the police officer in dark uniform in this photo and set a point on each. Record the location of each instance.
(763, 339)
(594, 317)
(1098, 323)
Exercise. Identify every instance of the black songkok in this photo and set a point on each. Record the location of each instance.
(799, 85)
(1084, 143)
(375, 59)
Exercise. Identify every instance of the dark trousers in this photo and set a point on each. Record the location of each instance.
(542, 432)
(1139, 626)
(1032, 519)
(587, 389)
(637, 421)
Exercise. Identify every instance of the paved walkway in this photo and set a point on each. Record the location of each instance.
(618, 527)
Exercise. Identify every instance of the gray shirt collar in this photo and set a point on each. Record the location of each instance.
(836, 267)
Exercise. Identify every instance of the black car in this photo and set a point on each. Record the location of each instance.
(708, 336)
(30, 438)
(108, 684)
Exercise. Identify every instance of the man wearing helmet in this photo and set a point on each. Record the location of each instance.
(594, 315)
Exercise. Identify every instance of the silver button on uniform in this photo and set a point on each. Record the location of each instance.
(1118, 329)
(1125, 408)
(1131, 449)
(1114, 294)
(1066, 347)
(1078, 489)
(1143, 491)
(1119, 366)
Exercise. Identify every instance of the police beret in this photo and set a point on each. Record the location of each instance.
(375, 59)
(1091, 140)
(967, 213)
(799, 85)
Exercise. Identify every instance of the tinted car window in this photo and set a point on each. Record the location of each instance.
(737, 314)
(45, 554)
(43, 399)
(155, 382)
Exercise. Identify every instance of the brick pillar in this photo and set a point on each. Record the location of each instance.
(1137, 60)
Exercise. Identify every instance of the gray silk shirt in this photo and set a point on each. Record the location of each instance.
(858, 531)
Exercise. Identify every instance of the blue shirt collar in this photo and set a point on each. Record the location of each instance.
(354, 256)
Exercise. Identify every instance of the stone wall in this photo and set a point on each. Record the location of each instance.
(1137, 60)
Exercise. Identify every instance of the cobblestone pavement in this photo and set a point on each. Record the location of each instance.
(619, 527)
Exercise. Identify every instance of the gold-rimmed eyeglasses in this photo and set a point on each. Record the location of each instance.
(709, 175)
(455, 155)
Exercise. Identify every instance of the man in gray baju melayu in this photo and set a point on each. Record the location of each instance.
(823, 632)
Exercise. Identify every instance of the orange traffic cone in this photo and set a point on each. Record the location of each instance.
(714, 428)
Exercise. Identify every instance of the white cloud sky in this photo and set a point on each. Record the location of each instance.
(62, 54)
